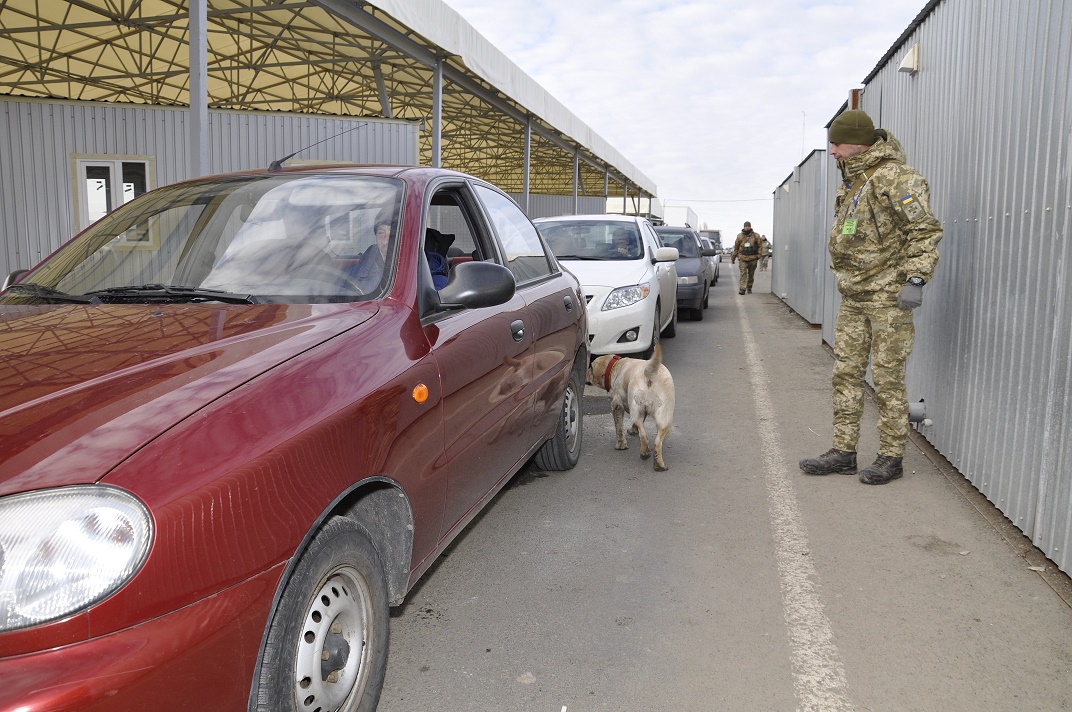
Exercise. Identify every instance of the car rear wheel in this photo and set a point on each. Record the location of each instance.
(563, 450)
(327, 643)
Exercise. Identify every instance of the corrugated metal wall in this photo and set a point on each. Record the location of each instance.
(38, 204)
(800, 262)
(988, 121)
(549, 206)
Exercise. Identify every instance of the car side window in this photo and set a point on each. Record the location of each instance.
(653, 238)
(525, 254)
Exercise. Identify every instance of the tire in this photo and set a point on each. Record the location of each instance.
(697, 314)
(563, 450)
(650, 351)
(334, 604)
(671, 329)
(707, 296)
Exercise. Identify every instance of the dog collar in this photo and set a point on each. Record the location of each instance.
(606, 374)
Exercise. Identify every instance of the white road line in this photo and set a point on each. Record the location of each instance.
(819, 676)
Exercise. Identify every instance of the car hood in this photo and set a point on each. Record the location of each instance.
(83, 387)
(609, 273)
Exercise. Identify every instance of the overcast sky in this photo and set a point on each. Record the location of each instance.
(715, 101)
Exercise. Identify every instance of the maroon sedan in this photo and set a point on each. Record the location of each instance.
(241, 416)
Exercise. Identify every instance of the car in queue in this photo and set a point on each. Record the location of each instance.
(628, 276)
(714, 260)
(693, 283)
(242, 415)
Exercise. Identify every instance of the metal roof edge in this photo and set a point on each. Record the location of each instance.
(443, 25)
(927, 9)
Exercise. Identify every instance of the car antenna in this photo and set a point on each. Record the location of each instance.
(277, 165)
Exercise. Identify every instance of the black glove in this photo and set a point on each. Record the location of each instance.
(911, 296)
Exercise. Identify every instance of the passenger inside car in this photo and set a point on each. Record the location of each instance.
(437, 247)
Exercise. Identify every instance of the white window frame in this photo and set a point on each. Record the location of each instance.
(80, 163)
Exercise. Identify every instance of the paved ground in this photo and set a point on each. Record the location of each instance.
(734, 582)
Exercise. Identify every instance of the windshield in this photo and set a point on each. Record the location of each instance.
(685, 242)
(592, 239)
(279, 238)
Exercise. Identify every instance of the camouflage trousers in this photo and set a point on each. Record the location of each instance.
(884, 335)
(748, 272)
(763, 260)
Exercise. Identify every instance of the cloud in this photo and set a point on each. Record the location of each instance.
(713, 100)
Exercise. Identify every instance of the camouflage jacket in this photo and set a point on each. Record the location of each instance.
(741, 240)
(884, 231)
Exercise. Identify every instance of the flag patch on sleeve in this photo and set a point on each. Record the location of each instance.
(911, 208)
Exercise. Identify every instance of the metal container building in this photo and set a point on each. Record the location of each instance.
(977, 91)
(54, 154)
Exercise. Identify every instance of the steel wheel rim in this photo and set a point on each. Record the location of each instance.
(333, 647)
(571, 413)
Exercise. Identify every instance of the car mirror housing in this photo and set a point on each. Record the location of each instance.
(666, 254)
(709, 252)
(473, 285)
(12, 278)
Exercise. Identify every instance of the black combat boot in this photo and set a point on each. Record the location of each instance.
(884, 469)
(831, 462)
(740, 291)
(749, 290)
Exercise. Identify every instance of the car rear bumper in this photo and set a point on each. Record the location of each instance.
(200, 657)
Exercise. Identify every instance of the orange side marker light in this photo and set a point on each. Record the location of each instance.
(420, 393)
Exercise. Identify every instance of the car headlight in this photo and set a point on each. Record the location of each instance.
(692, 279)
(626, 296)
(64, 549)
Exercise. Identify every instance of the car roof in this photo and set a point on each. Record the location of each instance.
(609, 217)
(672, 228)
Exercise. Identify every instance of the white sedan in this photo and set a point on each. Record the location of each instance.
(628, 277)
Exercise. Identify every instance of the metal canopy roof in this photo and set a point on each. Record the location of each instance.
(333, 57)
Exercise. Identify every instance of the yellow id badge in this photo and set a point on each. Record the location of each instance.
(849, 227)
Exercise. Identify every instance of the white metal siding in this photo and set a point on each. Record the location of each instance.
(988, 121)
(39, 138)
(549, 206)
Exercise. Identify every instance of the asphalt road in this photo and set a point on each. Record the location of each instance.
(732, 581)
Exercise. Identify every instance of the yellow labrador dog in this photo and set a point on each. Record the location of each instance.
(640, 388)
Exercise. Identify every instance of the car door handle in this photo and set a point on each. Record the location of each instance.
(568, 301)
(517, 329)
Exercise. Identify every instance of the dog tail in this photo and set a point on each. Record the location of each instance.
(651, 368)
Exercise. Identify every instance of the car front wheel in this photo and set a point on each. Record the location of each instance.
(327, 643)
(648, 352)
(671, 329)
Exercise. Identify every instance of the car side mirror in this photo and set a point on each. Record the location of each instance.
(473, 285)
(709, 252)
(666, 254)
(12, 278)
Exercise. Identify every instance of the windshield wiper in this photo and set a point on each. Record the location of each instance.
(50, 294)
(578, 257)
(167, 293)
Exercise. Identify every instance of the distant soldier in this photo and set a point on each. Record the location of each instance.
(746, 249)
(764, 253)
(883, 249)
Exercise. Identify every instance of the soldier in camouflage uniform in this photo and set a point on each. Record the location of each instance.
(764, 252)
(746, 249)
(883, 249)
